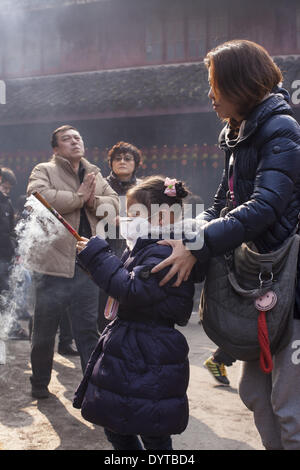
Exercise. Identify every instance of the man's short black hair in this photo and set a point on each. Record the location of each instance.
(63, 128)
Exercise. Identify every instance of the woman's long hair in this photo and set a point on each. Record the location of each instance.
(243, 72)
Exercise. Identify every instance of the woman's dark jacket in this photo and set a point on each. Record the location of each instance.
(137, 377)
(118, 244)
(121, 187)
(266, 182)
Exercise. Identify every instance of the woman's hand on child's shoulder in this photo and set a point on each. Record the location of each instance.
(182, 262)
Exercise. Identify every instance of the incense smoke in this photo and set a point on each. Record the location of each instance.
(35, 232)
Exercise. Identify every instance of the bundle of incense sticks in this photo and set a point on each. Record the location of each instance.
(57, 215)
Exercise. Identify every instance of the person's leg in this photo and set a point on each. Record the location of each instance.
(84, 298)
(19, 296)
(222, 357)
(122, 442)
(157, 442)
(286, 391)
(45, 323)
(255, 389)
(65, 339)
(4, 273)
(23, 294)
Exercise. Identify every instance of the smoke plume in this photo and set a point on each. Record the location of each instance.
(35, 231)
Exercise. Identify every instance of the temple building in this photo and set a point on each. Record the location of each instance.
(129, 70)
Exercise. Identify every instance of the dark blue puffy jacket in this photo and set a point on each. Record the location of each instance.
(137, 377)
(266, 182)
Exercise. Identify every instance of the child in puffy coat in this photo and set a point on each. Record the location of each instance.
(136, 381)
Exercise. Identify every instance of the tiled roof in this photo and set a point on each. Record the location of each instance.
(134, 90)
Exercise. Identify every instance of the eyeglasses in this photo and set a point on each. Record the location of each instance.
(126, 158)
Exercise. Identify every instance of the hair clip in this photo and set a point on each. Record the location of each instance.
(170, 187)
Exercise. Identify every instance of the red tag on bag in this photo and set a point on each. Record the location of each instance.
(263, 304)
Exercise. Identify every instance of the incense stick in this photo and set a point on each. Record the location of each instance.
(57, 215)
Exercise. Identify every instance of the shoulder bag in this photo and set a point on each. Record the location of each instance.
(247, 301)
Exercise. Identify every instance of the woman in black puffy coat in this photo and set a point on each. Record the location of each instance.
(136, 380)
(261, 187)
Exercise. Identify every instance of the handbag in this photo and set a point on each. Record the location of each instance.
(247, 301)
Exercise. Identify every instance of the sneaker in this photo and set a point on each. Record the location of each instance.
(218, 371)
(40, 392)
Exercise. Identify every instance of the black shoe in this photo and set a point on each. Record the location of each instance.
(40, 392)
(67, 350)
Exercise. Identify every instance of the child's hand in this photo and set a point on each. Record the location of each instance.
(80, 245)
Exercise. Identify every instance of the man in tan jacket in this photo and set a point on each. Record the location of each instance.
(76, 189)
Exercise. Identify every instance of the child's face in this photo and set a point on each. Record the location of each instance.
(161, 217)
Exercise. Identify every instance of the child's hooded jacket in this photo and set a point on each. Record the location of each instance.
(137, 377)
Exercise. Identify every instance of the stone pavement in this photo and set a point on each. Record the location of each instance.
(218, 418)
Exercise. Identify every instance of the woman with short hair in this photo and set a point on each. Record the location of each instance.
(260, 191)
(124, 160)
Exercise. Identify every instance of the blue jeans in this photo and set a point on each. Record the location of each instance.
(121, 442)
(55, 296)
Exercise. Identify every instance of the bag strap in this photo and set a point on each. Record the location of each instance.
(265, 263)
(249, 293)
(265, 283)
